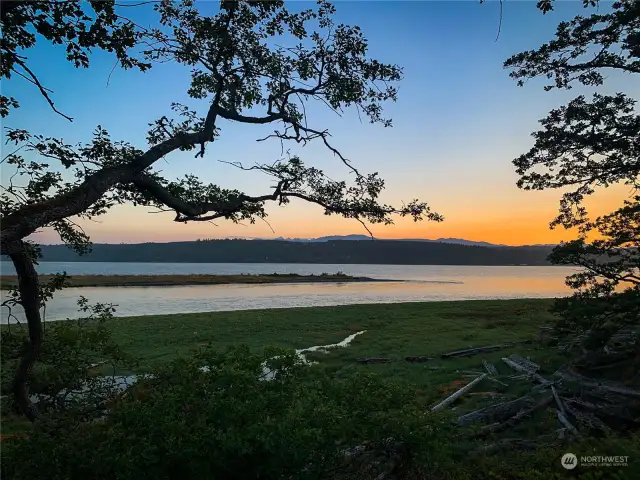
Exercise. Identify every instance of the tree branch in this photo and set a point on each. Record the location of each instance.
(43, 90)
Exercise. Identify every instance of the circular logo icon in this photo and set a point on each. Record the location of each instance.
(569, 461)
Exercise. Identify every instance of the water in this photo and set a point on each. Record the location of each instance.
(414, 283)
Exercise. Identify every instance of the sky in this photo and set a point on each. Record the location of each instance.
(458, 123)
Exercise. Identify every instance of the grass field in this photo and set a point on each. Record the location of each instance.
(9, 281)
(392, 330)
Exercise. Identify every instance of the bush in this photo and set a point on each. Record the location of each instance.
(67, 362)
(226, 422)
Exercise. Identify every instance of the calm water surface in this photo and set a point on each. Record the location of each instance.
(415, 283)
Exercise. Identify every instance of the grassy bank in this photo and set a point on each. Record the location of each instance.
(393, 330)
(9, 281)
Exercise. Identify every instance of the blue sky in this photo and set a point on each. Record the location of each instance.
(458, 123)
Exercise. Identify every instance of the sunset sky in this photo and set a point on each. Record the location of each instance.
(458, 123)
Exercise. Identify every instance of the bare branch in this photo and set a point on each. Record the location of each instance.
(43, 90)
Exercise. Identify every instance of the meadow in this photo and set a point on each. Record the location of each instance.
(392, 330)
(391, 333)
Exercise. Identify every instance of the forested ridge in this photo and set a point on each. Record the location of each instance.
(276, 251)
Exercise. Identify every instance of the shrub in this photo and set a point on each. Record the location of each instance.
(224, 421)
(73, 353)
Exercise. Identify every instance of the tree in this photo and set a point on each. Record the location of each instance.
(583, 146)
(59, 22)
(240, 77)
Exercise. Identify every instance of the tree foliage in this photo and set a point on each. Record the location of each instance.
(586, 145)
(72, 353)
(79, 26)
(252, 62)
(237, 72)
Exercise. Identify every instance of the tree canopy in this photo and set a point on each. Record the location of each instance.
(79, 26)
(238, 74)
(584, 146)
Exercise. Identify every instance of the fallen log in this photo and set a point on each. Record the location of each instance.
(566, 423)
(586, 419)
(534, 367)
(542, 386)
(518, 417)
(522, 369)
(495, 380)
(473, 351)
(496, 412)
(558, 401)
(486, 394)
(593, 383)
(613, 413)
(374, 360)
(418, 359)
(491, 370)
(449, 400)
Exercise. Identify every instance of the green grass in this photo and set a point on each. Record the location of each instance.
(392, 330)
(10, 281)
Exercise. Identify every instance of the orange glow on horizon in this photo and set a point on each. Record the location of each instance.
(523, 224)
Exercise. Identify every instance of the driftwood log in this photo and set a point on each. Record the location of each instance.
(586, 419)
(496, 412)
(374, 360)
(557, 399)
(474, 351)
(597, 384)
(525, 362)
(449, 400)
(566, 423)
(617, 415)
(518, 417)
(523, 369)
(418, 359)
(491, 370)
(499, 382)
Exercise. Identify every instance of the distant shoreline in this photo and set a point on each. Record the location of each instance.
(336, 252)
(8, 281)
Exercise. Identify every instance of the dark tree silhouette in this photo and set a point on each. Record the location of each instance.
(97, 25)
(237, 72)
(582, 146)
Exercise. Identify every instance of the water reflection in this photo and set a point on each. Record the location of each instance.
(428, 283)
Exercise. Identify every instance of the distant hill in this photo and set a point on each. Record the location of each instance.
(461, 241)
(399, 252)
(457, 241)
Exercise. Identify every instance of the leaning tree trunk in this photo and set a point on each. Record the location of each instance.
(29, 288)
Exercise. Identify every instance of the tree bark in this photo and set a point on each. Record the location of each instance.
(29, 288)
(29, 218)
